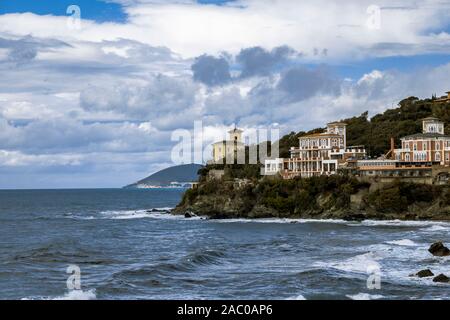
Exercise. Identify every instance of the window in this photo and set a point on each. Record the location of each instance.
(437, 157)
(438, 145)
(415, 146)
(407, 157)
(424, 145)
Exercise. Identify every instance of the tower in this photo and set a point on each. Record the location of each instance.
(433, 125)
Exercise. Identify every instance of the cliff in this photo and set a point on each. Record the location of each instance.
(335, 197)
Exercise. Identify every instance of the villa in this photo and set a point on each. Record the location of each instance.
(323, 154)
(317, 154)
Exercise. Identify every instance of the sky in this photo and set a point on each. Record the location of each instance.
(94, 102)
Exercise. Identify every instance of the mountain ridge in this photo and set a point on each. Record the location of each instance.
(163, 178)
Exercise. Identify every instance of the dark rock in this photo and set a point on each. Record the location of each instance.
(189, 215)
(219, 216)
(425, 273)
(354, 217)
(439, 250)
(442, 278)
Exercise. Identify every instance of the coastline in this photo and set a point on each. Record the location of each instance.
(323, 198)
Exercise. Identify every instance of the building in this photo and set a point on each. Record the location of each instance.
(444, 98)
(419, 156)
(431, 147)
(317, 154)
(230, 149)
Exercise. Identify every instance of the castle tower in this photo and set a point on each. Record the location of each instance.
(235, 135)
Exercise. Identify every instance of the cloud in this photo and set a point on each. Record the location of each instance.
(258, 61)
(193, 29)
(97, 106)
(158, 96)
(25, 49)
(301, 83)
(211, 71)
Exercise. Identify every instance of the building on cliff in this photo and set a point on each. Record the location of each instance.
(317, 154)
(229, 150)
(422, 155)
(431, 147)
(444, 98)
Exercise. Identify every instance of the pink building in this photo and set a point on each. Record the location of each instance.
(431, 147)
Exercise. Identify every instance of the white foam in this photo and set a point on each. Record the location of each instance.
(364, 296)
(137, 214)
(298, 297)
(401, 223)
(403, 242)
(363, 263)
(437, 227)
(72, 295)
(78, 295)
(279, 220)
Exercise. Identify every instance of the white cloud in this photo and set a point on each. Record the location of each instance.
(100, 103)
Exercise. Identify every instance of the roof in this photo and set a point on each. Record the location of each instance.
(426, 136)
(336, 122)
(318, 135)
(235, 130)
(431, 119)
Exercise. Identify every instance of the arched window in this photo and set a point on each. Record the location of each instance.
(407, 157)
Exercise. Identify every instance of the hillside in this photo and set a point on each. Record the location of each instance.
(243, 193)
(375, 133)
(182, 173)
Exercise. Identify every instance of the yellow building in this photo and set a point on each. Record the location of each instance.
(229, 149)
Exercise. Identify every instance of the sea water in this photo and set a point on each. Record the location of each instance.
(126, 246)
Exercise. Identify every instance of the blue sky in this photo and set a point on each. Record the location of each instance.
(100, 11)
(96, 104)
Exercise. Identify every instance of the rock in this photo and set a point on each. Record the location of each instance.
(439, 250)
(358, 217)
(189, 215)
(425, 273)
(442, 278)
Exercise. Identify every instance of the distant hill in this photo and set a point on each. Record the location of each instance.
(182, 173)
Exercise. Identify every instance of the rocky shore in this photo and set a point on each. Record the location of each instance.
(321, 198)
(437, 249)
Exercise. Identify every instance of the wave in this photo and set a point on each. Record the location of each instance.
(61, 252)
(403, 242)
(362, 263)
(364, 296)
(78, 295)
(186, 264)
(437, 225)
(156, 213)
(297, 297)
(71, 295)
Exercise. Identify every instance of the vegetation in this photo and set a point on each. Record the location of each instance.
(375, 133)
(242, 192)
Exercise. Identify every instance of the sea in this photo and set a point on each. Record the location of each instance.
(122, 244)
